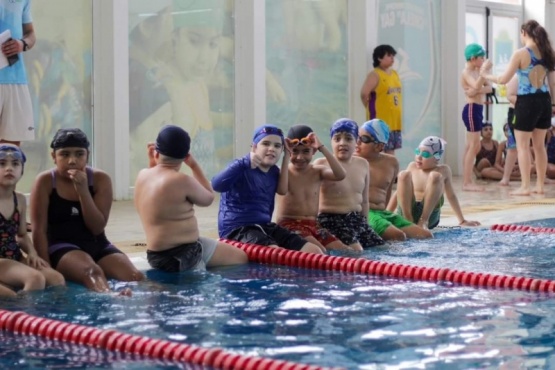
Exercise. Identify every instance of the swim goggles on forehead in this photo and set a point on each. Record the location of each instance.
(368, 139)
(426, 154)
(304, 141)
(8, 151)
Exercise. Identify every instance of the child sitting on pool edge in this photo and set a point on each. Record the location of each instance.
(165, 199)
(17, 270)
(70, 207)
(422, 186)
(249, 186)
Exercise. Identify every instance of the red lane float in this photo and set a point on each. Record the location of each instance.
(280, 256)
(522, 228)
(215, 358)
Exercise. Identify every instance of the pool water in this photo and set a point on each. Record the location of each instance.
(323, 318)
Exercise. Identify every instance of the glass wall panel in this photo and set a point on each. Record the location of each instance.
(59, 70)
(181, 71)
(506, 38)
(306, 60)
(412, 27)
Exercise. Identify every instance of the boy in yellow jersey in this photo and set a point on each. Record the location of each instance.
(381, 95)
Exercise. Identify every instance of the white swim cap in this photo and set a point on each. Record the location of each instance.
(435, 144)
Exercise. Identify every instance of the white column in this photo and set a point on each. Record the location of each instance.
(452, 56)
(362, 39)
(111, 92)
(250, 71)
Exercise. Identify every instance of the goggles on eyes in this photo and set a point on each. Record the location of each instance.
(8, 151)
(367, 139)
(425, 154)
(303, 141)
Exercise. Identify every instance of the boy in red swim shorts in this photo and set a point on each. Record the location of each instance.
(298, 209)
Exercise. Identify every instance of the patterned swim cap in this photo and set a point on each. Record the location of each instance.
(262, 131)
(378, 129)
(435, 144)
(344, 125)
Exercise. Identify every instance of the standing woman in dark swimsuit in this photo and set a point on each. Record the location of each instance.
(534, 65)
(70, 205)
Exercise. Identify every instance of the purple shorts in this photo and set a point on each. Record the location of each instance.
(473, 116)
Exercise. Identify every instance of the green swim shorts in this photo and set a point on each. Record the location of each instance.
(418, 207)
(381, 220)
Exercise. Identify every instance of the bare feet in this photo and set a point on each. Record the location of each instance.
(538, 190)
(503, 183)
(520, 191)
(473, 187)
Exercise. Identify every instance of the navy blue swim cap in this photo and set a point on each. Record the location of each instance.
(344, 125)
(262, 131)
(173, 142)
(68, 138)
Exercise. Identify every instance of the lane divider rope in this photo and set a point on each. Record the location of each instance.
(285, 257)
(522, 228)
(215, 358)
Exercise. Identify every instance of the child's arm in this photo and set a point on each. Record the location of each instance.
(335, 171)
(392, 204)
(474, 83)
(283, 182)
(453, 200)
(40, 198)
(223, 181)
(23, 238)
(510, 71)
(95, 209)
(199, 192)
(390, 188)
(365, 203)
(369, 85)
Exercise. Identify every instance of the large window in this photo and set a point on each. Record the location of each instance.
(306, 60)
(412, 27)
(181, 72)
(59, 70)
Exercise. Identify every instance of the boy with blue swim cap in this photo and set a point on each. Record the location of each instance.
(344, 204)
(373, 136)
(422, 186)
(248, 188)
(18, 270)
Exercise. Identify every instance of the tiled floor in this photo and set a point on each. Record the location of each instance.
(495, 205)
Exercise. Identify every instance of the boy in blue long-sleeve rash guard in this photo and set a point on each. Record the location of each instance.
(248, 186)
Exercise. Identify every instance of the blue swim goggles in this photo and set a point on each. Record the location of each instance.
(426, 154)
(13, 152)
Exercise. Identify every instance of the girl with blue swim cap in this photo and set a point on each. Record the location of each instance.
(17, 271)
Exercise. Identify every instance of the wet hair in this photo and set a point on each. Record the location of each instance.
(537, 33)
(70, 137)
(380, 52)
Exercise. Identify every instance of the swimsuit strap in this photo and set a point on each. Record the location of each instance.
(15, 200)
(53, 173)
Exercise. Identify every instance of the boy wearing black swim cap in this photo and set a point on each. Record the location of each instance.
(165, 199)
(298, 209)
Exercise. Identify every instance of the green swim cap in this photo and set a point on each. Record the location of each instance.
(474, 50)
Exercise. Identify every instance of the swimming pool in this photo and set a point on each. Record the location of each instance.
(324, 318)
